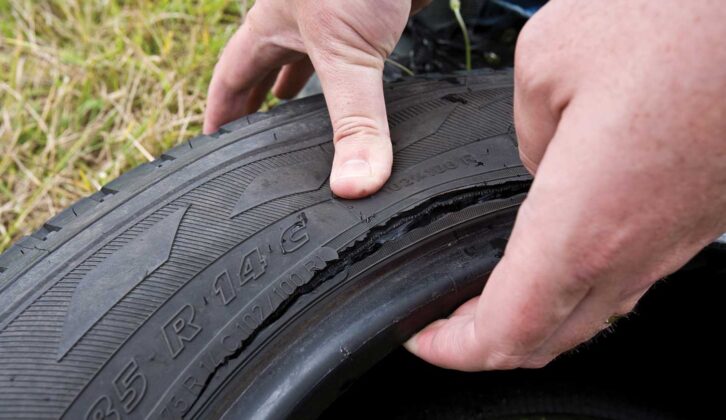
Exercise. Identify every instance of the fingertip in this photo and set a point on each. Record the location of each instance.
(413, 344)
(211, 121)
(361, 167)
(353, 90)
(208, 128)
(352, 187)
(448, 343)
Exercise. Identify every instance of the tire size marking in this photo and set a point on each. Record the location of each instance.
(239, 328)
(437, 169)
(130, 386)
(295, 236)
(253, 267)
(224, 290)
(102, 409)
(180, 328)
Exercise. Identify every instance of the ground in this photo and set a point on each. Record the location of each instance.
(90, 89)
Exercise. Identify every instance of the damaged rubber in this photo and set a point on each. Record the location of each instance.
(167, 292)
(396, 228)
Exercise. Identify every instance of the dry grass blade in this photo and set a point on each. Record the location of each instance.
(90, 89)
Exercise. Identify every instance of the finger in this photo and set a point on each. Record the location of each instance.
(258, 93)
(451, 344)
(293, 78)
(466, 308)
(245, 62)
(515, 315)
(542, 278)
(459, 323)
(595, 314)
(538, 102)
(453, 337)
(352, 83)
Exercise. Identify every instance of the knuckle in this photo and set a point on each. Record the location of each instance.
(528, 163)
(255, 21)
(537, 362)
(225, 82)
(504, 360)
(327, 21)
(539, 30)
(337, 51)
(592, 263)
(527, 39)
(525, 54)
(533, 69)
(355, 126)
(337, 36)
(528, 79)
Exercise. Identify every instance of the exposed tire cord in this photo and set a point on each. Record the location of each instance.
(132, 303)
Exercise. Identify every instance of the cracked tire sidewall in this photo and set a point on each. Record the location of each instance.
(134, 302)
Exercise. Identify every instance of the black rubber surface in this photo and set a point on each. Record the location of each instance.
(140, 300)
(655, 363)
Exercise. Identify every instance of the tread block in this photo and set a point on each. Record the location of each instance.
(233, 126)
(44, 231)
(101, 195)
(63, 218)
(21, 251)
(83, 206)
(281, 182)
(129, 178)
(420, 126)
(29, 242)
(177, 151)
(10, 255)
(115, 276)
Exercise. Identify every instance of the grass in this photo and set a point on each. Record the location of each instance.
(90, 89)
(455, 6)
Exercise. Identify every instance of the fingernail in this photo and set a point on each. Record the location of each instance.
(354, 168)
(410, 345)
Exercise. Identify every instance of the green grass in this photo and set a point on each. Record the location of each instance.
(90, 89)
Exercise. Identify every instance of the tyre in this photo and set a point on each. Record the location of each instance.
(650, 365)
(224, 278)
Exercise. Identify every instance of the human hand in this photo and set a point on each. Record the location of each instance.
(620, 111)
(282, 42)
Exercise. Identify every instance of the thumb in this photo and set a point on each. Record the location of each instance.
(353, 87)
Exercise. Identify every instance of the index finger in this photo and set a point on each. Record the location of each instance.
(245, 72)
